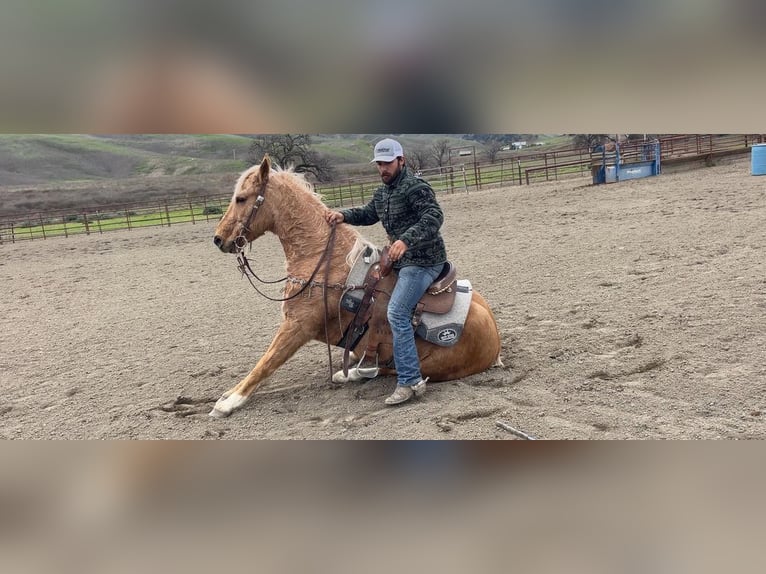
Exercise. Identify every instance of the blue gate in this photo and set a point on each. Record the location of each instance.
(631, 160)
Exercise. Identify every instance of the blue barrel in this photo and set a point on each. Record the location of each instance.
(759, 159)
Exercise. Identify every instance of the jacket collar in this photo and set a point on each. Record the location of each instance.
(398, 180)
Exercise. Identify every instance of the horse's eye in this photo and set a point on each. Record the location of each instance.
(240, 199)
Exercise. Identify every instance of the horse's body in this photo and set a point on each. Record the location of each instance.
(288, 208)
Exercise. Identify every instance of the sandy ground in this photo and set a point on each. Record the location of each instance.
(631, 310)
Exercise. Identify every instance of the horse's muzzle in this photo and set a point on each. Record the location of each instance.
(220, 244)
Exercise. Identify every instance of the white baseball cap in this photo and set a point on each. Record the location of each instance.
(387, 150)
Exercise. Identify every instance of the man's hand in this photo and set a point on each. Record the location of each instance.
(333, 216)
(397, 249)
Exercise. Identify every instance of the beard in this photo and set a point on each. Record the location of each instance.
(389, 176)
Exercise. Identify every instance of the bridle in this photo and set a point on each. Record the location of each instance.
(240, 241)
(244, 265)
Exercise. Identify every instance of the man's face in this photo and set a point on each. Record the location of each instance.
(389, 170)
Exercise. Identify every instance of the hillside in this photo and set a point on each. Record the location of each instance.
(46, 159)
(52, 158)
(43, 172)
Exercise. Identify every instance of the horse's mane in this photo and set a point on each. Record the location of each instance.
(313, 208)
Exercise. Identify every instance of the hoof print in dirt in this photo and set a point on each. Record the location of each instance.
(187, 406)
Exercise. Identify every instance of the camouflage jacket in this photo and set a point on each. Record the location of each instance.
(408, 210)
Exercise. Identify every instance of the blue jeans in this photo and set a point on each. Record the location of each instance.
(410, 287)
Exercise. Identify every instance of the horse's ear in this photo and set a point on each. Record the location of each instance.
(263, 173)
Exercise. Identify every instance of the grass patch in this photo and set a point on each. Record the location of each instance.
(75, 224)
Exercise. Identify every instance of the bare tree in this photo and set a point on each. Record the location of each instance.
(418, 158)
(641, 137)
(440, 151)
(491, 148)
(589, 140)
(292, 150)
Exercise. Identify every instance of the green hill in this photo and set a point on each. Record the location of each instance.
(43, 172)
(30, 159)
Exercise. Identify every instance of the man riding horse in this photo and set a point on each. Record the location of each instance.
(407, 208)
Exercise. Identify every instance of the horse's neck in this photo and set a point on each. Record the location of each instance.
(304, 235)
(302, 260)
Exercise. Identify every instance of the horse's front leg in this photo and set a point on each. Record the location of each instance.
(289, 338)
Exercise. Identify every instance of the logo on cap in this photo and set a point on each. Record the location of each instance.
(387, 149)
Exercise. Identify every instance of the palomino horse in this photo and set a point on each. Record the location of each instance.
(282, 202)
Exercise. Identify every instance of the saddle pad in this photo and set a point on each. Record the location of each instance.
(352, 299)
(445, 330)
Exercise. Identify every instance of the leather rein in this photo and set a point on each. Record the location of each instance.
(244, 266)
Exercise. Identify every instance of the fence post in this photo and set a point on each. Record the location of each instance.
(167, 213)
(42, 225)
(85, 221)
(63, 222)
(191, 211)
(127, 219)
(13, 234)
(465, 179)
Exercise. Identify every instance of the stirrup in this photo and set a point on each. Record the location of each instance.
(368, 372)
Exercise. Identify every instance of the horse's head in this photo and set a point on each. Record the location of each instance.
(246, 218)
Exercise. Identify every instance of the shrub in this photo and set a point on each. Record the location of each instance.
(212, 210)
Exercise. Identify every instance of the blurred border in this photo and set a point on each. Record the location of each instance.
(531, 66)
(543, 66)
(348, 507)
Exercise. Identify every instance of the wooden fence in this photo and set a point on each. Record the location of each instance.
(464, 174)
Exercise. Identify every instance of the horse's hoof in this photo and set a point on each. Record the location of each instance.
(339, 378)
(227, 405)
(216, 414)
(355, 375)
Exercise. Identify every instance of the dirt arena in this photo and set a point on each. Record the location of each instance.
(632, 310)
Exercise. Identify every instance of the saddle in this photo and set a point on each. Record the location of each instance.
(438, 298)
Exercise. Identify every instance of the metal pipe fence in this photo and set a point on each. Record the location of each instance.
(98, 220)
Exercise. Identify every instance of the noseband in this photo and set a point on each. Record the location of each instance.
(240, 241)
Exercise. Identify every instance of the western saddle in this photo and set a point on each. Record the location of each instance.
(438, 298)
